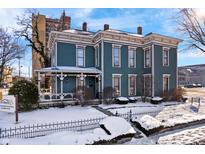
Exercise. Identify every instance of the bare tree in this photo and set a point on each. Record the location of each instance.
(192, 26)
(29, 30)
(9, 50)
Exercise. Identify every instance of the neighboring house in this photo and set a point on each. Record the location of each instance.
(192, 74)
(7, 76)
(132, 64)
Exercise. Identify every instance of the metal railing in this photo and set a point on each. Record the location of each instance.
(49, 128)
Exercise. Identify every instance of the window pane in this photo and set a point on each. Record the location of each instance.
(80, 56)
(116, 56)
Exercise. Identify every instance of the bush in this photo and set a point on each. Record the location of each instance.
(108, 93)
(176, 95)
(83, 95)
(27, 93)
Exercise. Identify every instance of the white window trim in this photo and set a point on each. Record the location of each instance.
(97, 59)
(163, 55)
(116, 75)
(118, 46)
(135, 56)
(80, 46)
(145, 57)
(130, 75)
(166, 75)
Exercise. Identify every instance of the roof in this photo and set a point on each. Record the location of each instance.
(70, 69)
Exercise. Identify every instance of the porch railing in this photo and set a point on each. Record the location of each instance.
(56, 96)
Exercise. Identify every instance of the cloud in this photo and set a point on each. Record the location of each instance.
(8, 17)
(191, 54)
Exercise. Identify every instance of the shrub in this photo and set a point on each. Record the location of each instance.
(83, 94)
(27, 93)
(177, 95)
(108, 93)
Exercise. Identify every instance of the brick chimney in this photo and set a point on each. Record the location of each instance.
(106, 26)
(139, 30)
(84, 26)
(65, 21)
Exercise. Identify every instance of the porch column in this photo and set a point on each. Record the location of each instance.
(39, 83)
(61, 79)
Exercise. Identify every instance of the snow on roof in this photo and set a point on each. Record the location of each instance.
(78, 31)
(117, 126)
(148, 122)
(123, 32)
(71, 69)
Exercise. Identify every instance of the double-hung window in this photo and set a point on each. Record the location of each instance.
(132, 58)
(80, 56)
(147, 57)
(132, 85)
(116, 56)
(165, 56)
(116, 83)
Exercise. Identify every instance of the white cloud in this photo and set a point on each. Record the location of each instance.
(191, 54)
(8, 17)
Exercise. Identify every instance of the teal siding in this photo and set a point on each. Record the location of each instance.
(89, 56)
(66, 54)
(159, 69)
(69, 85)
(124, 70)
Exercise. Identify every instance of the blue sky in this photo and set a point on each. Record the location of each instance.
(152, 20)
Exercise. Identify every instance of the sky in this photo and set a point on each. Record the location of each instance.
(156, 20)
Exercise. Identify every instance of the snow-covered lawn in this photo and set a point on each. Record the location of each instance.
(115, 125)
(182, 113)
(138, 107)
(50, 115)
(190, 136)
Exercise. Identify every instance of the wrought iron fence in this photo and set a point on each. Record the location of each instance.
(49, 128)
(45, 129)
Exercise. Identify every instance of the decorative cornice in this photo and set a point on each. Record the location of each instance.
(112, 36)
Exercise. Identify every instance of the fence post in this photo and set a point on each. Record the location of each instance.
(16, 112)
(130, 115)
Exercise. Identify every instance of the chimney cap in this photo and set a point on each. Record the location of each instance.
(84, 26)
(139, 30)
(106, 26)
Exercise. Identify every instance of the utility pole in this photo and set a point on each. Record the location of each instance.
(19, 58)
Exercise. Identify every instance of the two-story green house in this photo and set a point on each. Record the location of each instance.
(133, 64)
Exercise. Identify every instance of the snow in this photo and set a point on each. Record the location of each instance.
(117, 126)
(182, 113)
(148, 122)
(71, 69)
(139, 108)
(189, 136)
(156, 98)
(42, 116)
(122, 99)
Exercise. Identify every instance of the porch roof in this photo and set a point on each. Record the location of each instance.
(70, 69)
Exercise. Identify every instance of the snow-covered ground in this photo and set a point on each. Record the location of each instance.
(138, 107)
(42, 116)
(190, 136)
(182, 113)
(111, 124)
